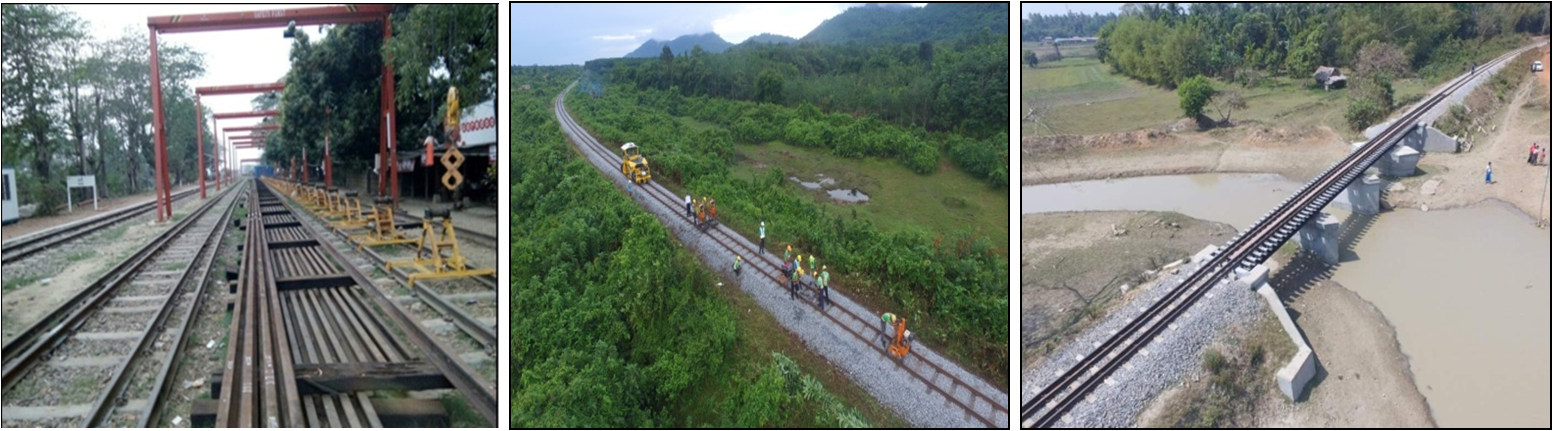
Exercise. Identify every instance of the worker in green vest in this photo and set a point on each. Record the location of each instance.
(736, 261)
(884, 327)
(811, 262)
(823, 280)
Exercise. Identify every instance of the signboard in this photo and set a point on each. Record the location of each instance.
(80, 181)
(477, 124)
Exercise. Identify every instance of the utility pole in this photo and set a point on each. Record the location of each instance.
(1542, 200)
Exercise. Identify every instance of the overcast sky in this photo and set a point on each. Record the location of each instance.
(1025, 9)
(231, 57)
(573, 33)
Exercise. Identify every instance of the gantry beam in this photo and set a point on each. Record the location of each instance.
(230, 115)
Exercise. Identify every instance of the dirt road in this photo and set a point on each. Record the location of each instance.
(1456, 180)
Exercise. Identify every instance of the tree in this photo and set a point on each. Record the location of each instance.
(1225, 104)
(36, 41)
(1195, 94)
(768, 87)
(1381, 59)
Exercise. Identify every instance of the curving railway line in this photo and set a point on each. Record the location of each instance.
(974, 398)
(103, 358)
(1242, 254)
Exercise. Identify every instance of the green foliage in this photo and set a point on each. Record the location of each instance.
(1363, 113)
(1037, 27)
(955, 285)
(886, 23)
(611, 320)
(1158, 44)
(780, 390)
(768, 87)
(1195, 94)
(958, 86)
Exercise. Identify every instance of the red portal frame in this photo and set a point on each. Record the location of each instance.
(225, 90)
(388, 177)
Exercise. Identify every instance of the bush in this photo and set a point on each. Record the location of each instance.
(1363, 113)
(1195, 93)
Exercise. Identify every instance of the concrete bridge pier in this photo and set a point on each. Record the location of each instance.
(1320, 236)
(1363, 196)
(1401, 162)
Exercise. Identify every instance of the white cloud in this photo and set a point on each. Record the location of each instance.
(614, 37)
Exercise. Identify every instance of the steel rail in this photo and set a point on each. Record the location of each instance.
(655, 192)
(19, 248)
(1244, 252)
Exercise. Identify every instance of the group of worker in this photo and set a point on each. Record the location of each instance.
(702, 210)
(792, 268)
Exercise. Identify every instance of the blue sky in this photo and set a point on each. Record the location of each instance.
(573, 33)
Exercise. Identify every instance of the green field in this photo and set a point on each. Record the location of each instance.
(942, 203)
(1086, 98)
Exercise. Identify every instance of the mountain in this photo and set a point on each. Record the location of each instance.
(895, 23)
(709, 42)
(770, 38)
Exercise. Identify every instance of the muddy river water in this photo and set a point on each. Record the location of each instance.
(1467, 290)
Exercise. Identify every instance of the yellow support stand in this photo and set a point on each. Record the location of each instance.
(352, 217)
(438, 256)
(383, 231)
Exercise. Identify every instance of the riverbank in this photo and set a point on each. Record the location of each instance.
(1079, 266)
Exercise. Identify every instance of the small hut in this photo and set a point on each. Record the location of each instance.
(1329, 78)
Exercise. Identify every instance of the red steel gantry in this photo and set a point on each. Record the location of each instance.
(388, 178)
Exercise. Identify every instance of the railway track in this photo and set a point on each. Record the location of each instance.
(987, 407)
(16, 250)
(1243, 253)
(481, 238)
(482, 333)
(310, 341)
(87, 364)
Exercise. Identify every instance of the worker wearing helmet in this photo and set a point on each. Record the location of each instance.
(884, 327)
(823, 280)
(811, 262)
(762, 237)
(736, 261)
(788, 255)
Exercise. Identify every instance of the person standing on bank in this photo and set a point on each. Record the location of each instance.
(1488, 176)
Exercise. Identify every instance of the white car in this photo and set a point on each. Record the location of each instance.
(1536, 66)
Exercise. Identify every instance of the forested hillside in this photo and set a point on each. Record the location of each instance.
(886, 23)
(1038, 27)
(709, 42)
(613, 323)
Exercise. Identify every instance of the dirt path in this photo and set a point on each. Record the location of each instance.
(35, 224)
(1295, 153)
(1456, 180)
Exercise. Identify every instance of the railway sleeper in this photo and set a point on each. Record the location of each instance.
(334, 379)
(392, 413)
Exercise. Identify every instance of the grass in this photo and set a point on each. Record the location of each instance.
(759, 336)
(460, 415)
(1237, 379)
(945, 202)
(80, 390)
(116, 233)
(12, 283)
(80, 256)
(1086, 98)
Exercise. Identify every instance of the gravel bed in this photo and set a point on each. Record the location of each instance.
(879, 374)
(1174, 356)
(105, 322)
